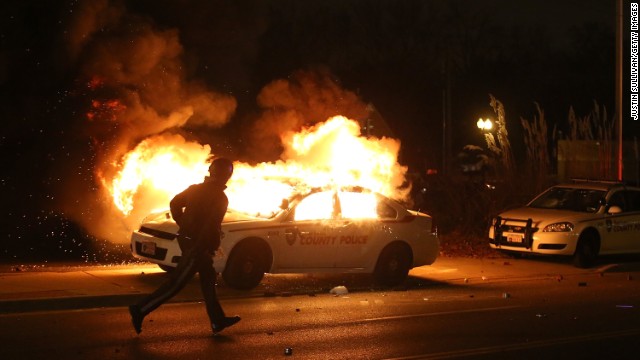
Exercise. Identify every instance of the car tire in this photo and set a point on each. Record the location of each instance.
(586, 250)
(246, 266)
(166, 268)
(393, 264)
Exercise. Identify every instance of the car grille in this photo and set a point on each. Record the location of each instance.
(520, 229)
(158, 233)
(513, 226)
(160, 254)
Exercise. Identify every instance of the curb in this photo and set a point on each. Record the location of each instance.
(68, 303)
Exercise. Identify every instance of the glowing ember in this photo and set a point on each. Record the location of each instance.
(105, 110)
(95, 82)
(330, 154)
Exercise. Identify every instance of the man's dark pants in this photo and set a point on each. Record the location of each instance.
(192, 261)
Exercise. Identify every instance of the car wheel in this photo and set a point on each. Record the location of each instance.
(166, 268)
(586, 250)
(393, 265)
(246, 266)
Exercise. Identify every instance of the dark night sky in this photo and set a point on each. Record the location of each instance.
(231, 57)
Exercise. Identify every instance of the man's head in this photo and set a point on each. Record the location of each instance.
(221, 169)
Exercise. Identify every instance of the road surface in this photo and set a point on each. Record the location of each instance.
(586, 314)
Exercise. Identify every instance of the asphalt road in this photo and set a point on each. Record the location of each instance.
(554, 313)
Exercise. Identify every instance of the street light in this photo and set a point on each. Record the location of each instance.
(485, 124)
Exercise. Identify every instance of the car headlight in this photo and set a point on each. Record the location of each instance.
(558, 227)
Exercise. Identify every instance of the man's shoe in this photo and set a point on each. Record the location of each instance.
(225, 323)
(136, 318)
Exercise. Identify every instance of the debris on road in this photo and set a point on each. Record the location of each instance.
(339, 290)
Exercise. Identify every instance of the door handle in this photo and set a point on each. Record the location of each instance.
(295, 231)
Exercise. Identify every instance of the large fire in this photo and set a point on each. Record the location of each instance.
(158, 168)
(329, 154)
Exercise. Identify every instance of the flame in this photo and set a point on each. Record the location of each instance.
(323, 205)
(157, 169)
(330, 154)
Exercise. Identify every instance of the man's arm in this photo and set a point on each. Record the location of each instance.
(177, 204)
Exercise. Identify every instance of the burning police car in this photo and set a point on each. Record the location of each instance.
(345, 230)
(583, 219)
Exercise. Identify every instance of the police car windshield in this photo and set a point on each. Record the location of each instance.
(562, 198)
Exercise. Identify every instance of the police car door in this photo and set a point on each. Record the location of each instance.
(308, 240)
(357, 242)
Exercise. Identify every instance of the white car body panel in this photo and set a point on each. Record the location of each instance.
(338, 245)
(617, 233)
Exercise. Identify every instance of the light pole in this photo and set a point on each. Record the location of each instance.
(619, 81)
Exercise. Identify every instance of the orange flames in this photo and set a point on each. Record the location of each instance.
(332, 153)
(157, 169)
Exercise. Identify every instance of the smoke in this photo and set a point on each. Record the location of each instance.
(133, 78)
(307, 97)
(139, 96)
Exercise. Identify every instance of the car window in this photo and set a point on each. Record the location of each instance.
(617, 199)
(627, 200)
(316, 206)
(561, 198)
(358, 205)
(385, 211)
(633, 200)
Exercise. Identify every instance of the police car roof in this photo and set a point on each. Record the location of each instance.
(604, 185)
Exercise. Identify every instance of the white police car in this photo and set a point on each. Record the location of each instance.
(582, 219)
(321, 231)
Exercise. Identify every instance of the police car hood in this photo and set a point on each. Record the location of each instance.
(541, 217)
(235, 216)
(162, 220)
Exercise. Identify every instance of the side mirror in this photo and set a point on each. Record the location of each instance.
(614, 209)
